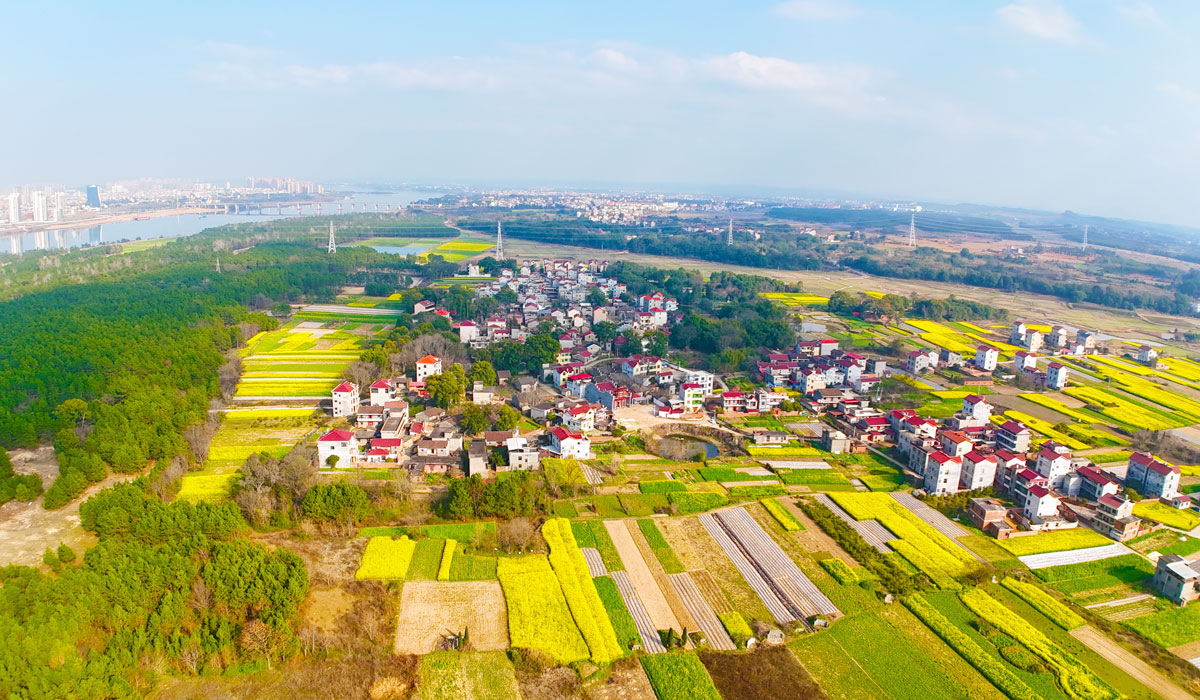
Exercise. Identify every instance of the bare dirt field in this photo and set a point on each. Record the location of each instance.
(1123, 659)
(765, 674)
(697, 550)
(639, 573)
(324, 608)
(626, 682)
(431, 609)
(27, 529)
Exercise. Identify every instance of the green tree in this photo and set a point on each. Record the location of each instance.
(540, 349)
(65, 554)
(508, 418)
(458, 502)
(605, 331)
(339, 501)
(447, 388)
(483, 372)
(474, 419)
(597, 298)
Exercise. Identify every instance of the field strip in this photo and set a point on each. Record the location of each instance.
(798, 465)
(939, 522)
(712, 592)
(1074, 556)
(774, 605)
(640, 577)
(778, 565)
(645, 627)
(1125, 660)
(705, 618)
(593, 477)
(871, 535)
(430, 609)
(759, 482)
(351, 310)
(1122, 601)
(279, 398)
(595, 563)
(289, 380)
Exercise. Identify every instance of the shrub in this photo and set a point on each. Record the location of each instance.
(337, 501)
(985, 663)
(679, 676)
(661, 486)
(1044, 603)
(840, 570)
(386, 558)
(893, 577)
(929, 550)
(782, 515)
(1076, 680)
(447, 559)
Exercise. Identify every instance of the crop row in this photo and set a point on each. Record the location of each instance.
(580, 592)
(679, 676)
(664, 486)
(662, 550)
(985, 663)
(443, 573)
(943, 556)
(1076, 680)
(840, 570)
(893, 577)
(782, 515)
(622, 622)
(1044, 603)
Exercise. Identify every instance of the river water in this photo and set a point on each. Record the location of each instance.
(187, 224)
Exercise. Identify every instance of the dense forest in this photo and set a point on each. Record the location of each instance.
(168, 586)
(114, 366)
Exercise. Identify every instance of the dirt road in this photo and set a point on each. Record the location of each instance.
(27, 529)
(1123, 659)
(643, 580)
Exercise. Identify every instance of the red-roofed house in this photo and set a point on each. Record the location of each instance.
(428, 366)
(382, 391)
(340, 444)
(1021, 483)
(956, 443)
(1053, 465)
(1007, 466)
(580, 418)
(733, 401)
(345, 399)
(692, 395)
(569, 445)
(979, 471)
(1041, 505)
(1056, 375)
(1014, 437)
(1151, 477)
(1094, 484)
(986, 358)
(942, 474)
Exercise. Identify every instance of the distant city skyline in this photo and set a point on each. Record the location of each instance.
(1087, 106)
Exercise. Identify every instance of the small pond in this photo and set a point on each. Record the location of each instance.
(685, 447)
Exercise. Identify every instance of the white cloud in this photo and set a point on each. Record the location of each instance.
(1042, 19)
(766, 72)
(1141, 12)
(1180, 92)
(611, 58)
(818, 10)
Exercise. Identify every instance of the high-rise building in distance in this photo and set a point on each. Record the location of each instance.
(37, 200)
(14, 207)
(93, 196)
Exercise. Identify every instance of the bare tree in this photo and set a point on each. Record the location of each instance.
(190, 657)
(361, 373)
(228, 375)
(441, 346)
(201, 595)
(199, 436)
(259, 638)
(515, 534)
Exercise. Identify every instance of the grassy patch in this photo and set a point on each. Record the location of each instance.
(426, 560)
(622, 621)
(679, 676)
(662, 550)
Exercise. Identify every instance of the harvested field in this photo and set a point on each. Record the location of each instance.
(701, 613)
(1075, 556)
(347, 677)
(640, 576)
(431, 609)
(769, 673)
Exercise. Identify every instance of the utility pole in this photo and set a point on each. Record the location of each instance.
(332, 243)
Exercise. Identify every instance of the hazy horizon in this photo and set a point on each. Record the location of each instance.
(1088, 107)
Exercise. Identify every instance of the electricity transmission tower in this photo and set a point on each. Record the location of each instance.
(499, 242)
(912, 232)
(332, 243)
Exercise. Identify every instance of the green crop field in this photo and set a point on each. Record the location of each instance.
(679, 676)
(1171, 627)
(452, 675)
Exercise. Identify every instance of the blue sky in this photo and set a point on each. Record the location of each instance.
(1092, 105)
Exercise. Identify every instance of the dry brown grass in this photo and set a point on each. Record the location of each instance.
(349, 677)
(431, 609)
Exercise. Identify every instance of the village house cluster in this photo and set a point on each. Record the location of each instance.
(827, 376)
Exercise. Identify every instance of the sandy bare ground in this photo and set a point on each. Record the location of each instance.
(626, 682)
(323, 608)
(1187, 651)
(27, 529)
(1125, 660)
(660, 577)
(431, 609)
(643, 580)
